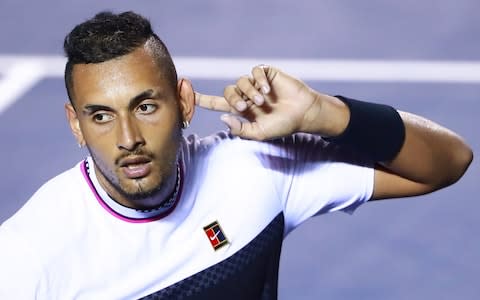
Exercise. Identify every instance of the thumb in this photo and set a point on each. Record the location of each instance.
(233, 123)
(246, 130)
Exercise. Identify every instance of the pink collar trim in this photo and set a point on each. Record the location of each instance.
(102, 203)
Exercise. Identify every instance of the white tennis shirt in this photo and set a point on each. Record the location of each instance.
(220, 237)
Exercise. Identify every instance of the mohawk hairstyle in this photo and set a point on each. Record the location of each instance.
(107, 36)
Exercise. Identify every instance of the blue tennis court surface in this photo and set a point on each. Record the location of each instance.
(420, 248)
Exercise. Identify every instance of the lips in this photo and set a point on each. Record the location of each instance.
(135, 166)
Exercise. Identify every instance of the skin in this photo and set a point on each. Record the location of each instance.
(271, 103)
(274, 104)
(129, 116)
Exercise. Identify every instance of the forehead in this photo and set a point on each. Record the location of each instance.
(118, 78)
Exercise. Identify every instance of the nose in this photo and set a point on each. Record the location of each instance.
(129, 134)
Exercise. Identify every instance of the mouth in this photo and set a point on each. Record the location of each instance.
(135, 167)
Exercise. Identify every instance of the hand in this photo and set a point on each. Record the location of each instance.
(272, 103)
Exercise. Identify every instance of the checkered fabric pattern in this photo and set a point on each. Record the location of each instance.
(251, 273)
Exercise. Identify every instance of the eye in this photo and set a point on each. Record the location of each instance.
(146, 108)
(102, 117)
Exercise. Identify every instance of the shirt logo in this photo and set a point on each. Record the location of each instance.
(215, 235)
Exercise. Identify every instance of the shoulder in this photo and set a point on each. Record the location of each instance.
(223, 140)
(34, 233)
(299, 146)
(222, 156)
(59, 188)
(48, 203)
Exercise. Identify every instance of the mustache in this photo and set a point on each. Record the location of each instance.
(134, 153)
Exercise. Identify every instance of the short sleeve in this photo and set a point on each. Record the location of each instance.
(321, 178)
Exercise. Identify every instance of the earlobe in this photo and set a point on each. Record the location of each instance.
(186, 99)
(74, 124)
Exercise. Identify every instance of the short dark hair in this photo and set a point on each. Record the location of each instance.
(107, 36)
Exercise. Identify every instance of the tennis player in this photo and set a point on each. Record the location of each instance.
(152, 214)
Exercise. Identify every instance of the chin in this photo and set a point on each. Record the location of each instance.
(141, 189)
(141, 193)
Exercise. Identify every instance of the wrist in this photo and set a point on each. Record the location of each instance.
(328, 116)
(375, 130)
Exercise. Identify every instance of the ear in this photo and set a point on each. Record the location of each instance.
(74, 124)
(186, 99)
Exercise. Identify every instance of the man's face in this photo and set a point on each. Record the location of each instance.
(129, 117)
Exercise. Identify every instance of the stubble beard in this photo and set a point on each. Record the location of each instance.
(139, 191)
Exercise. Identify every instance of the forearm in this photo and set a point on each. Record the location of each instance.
(427, 153)
(431, 154)
(412, 155)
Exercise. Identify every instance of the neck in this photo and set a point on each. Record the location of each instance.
(159, 198)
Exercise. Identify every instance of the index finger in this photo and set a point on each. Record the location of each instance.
(212, 102)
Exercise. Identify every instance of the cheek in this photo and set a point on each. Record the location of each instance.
(95, 133)
(100, 155)
(162, 140)
(162, 128)
(165, 144)
(99, 138)
(101, 147)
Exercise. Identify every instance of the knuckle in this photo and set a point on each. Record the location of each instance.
(252, 92)
(229, 88)
(230, 92)
(212, 103)
(243, 80)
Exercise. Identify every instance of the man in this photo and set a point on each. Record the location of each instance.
(153, 215)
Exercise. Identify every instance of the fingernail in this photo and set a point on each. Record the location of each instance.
(258, 99)
(224, 117)
(265, 89)
(241, 105)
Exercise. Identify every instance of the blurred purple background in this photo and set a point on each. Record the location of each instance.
(421, 248)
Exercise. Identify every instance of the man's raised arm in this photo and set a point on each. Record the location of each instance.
(413, 155)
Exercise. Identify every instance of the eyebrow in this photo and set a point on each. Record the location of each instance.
(147, 94)
(92, 108)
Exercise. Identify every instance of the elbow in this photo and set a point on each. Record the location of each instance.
(464, 161)
(460, 162)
